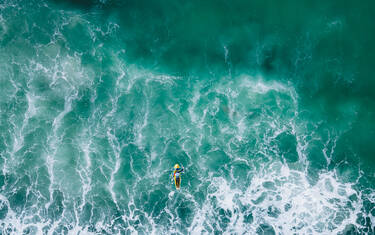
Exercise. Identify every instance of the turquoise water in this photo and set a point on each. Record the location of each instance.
(269, 106)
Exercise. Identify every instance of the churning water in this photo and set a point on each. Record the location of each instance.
(269, 105)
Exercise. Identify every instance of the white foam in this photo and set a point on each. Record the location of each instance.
(130, 74)
(19, 132)
(3, 27)
(85, 172)
(31, 109)
(284, 199)
(241, 126)
(193, 116)
(141, 126)
(258, 85)
(116, 148)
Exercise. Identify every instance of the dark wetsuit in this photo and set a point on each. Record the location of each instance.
(178, 171)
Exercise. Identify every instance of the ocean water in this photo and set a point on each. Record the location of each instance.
(269, 105)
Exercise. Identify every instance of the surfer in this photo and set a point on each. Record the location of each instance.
(177, 170)
(177, 175)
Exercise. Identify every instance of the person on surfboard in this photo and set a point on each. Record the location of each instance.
(177, 175)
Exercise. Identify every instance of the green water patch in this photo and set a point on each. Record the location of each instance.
(3, 210)
(287, 145)
(317, 160)
(56, 208)
(17, 200)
